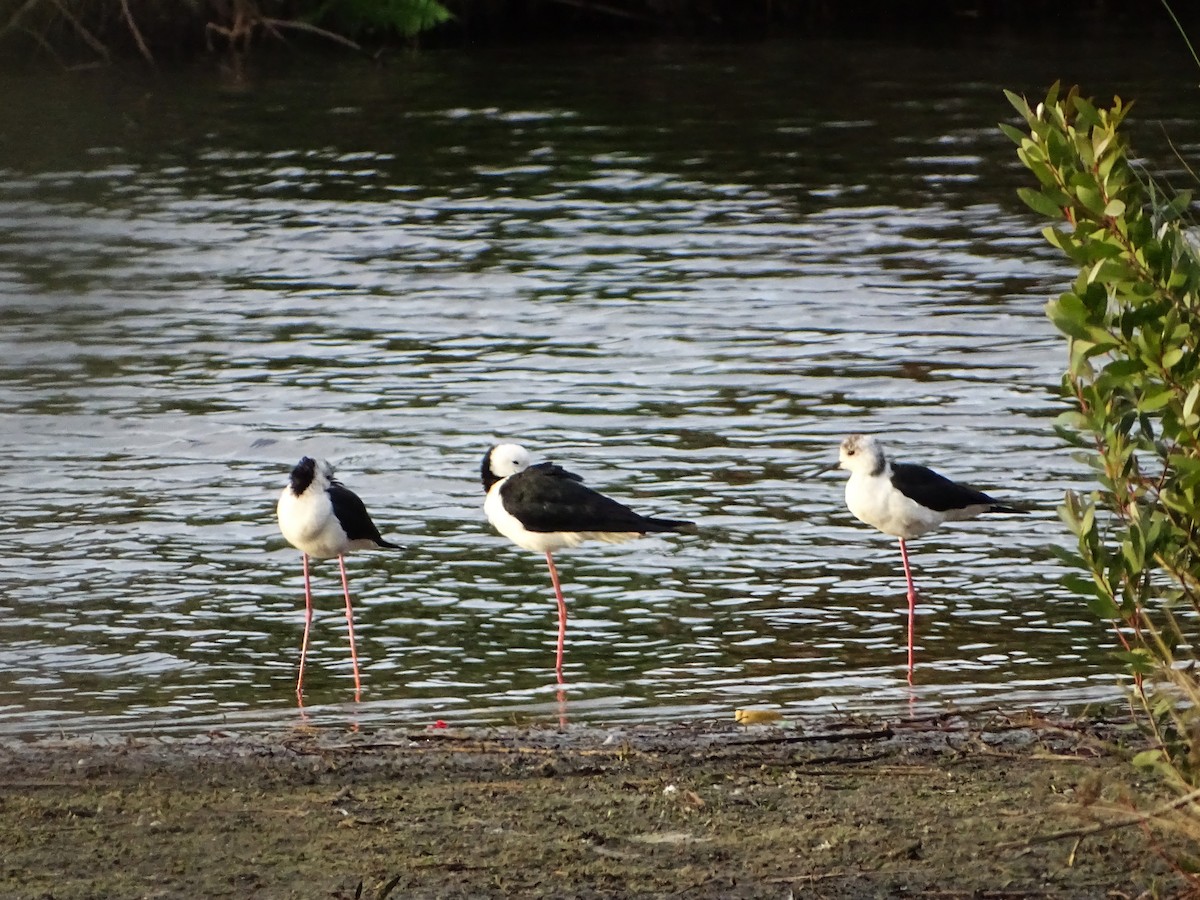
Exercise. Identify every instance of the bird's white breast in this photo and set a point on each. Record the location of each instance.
(875, 501)
(308, 524)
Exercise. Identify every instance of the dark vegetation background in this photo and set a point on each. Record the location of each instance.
(72, 33)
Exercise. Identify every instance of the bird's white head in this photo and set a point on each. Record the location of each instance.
(504, 460)
(862, 454)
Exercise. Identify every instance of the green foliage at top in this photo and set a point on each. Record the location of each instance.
(361, 18)
(80, 32)
(1132, 320)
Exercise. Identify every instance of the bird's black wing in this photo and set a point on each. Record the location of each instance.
(352, 514)
(547, 498)
(556, 471)
(934, 491)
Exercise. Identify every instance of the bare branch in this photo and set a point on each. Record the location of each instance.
(606, 9)
(88, 37)
(1101, 827)
(40, 39)
(312, 29)
(12, 21)
(137, 34)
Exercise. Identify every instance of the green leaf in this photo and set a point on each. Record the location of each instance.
(1069, 315)
(1148, 759)
(1103, 248)
(1089, 195)
(1039, 203)
(1189, 403)
(1072, 418)
(1087, 113)
(1122, 369)
(1179, 203)
(1016, 135)
(1134, 550)
(1063, 241)
(1087, 521)
(1102, 340)
(1085, 587)
(1172, 357)
(1156, 400)
(1019, 104)
(1139, 660)
(1103, 607)
(1070, 558)
(1105, 166)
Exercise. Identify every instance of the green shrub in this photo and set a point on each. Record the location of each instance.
(1132, 322)
(83, 32)
(362, 18)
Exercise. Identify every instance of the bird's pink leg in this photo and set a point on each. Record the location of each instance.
(912, 607)
(308, 613)
(562, 615)
(350, 629)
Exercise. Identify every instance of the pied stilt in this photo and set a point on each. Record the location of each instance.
(545, 508)
(906, 501)
(322, 518)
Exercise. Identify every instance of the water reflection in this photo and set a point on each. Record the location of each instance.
(690, 280)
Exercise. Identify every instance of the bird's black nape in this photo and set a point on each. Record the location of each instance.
(303, 475)
(486, 474)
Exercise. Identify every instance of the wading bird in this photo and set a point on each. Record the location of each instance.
(545, 508)
(906, 501)
(322, 518)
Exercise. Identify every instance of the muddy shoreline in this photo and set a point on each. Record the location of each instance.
(939, 807)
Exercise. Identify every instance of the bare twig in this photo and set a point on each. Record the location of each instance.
(1101, 827)
(45, 45)
(1182, 31)
(605, 8)
(814, 877)
(475, 746)
(312, 29)
(12, 20)
(137, 34)
(88, 38)
(874, 734)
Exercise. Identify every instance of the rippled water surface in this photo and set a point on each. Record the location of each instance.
(684, 273)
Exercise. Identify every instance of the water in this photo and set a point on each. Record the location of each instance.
(682, 272)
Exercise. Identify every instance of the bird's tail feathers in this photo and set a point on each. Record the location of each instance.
(1004, 508)
(655, 526)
